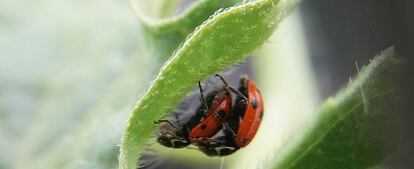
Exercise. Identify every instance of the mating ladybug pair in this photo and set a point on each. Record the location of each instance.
(218, 127)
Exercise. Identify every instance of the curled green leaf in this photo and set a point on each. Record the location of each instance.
(167, 34)
(359, 128)
(220, 42)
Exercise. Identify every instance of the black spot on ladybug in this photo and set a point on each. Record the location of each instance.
(221, 114)
(203, 127)
(254, 103)
(261, 115)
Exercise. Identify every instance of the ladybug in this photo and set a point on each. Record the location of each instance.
(217, 115)
(212, 128)
(246, 118)
(209, 119)
(250, 110)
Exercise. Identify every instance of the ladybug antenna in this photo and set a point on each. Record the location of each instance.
(223, 80)
(228, 128)
(202, 95)
(230, 88)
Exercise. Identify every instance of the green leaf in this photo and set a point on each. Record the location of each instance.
(222, 41)
(358, 128)
(167, 34)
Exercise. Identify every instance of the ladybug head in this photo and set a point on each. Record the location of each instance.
(221, 150)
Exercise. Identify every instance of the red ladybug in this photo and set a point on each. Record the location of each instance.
(252, 115)
(246, 118)
(204, 124)
(217, 114)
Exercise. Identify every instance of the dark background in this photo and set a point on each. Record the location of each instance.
(341, 32)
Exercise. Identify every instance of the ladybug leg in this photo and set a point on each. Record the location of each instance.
(231, 89)
(170, 133)
(203, 99)
(206, 141)
(221, 146)
(172, 139)
(225, 125)
(237, 93)
(165, 121)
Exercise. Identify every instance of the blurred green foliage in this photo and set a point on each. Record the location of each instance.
(361, 126)
(66, 70)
